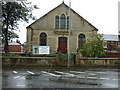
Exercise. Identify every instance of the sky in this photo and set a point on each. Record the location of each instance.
(103, 14)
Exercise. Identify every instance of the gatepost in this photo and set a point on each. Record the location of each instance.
(57, 61)
(78, 56)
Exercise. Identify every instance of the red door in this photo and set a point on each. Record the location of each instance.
(62, 45)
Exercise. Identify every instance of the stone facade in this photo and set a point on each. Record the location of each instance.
(46, 24)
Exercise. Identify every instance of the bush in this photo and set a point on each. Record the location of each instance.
(94, 48)
(43, 55)
(65, 56)
(11, 54)
(72, 56)
(52, 55)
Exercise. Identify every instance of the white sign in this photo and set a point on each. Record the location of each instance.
(41, 50)
(44, 50)
(35, 49)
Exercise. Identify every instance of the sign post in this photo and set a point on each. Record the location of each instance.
(69, 35)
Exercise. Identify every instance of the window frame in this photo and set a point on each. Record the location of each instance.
(81, 40)
(57, 22)
(43, 39)
(62, 21)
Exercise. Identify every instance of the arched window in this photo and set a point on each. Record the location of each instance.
(68, 22)
(43, 39)
(81, 41)
(62, 21)
(57, 22)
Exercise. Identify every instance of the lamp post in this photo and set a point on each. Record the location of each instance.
(68, 66)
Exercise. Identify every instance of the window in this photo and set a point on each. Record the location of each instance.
(62, 21)
(81, 41)
(119, 44)
(43, 39)
(57, 22)
(68, 22)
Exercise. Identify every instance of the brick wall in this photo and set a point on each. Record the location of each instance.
(14, 48)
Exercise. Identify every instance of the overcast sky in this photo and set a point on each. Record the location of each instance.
(103, 14)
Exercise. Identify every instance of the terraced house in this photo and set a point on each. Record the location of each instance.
(52, 30)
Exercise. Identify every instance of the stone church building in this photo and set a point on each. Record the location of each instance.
(52, 30)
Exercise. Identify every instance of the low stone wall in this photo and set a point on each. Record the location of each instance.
(28, 61)
(55, 61)
(99, 61)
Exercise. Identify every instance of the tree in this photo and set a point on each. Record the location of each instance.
(94, 48)
(12, 35)
(12, 12)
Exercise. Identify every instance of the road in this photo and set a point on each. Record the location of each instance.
(36, 78)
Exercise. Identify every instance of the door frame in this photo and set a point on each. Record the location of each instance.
(63, 42)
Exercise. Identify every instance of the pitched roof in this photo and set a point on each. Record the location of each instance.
(108, 37)
(13, 43)
(58, 7)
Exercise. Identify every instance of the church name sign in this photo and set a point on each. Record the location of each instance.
(41, 50)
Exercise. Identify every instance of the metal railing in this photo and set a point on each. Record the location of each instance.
(29, 57)
(99, 59)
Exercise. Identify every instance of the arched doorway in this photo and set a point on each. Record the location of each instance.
(62, 44)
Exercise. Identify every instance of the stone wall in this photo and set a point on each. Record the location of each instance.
(28, 61)
(99, 61)
(55, 61)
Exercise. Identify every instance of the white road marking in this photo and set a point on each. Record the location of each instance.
(14, 72)
(92, 74)
(21, 85)
(77, 76)
(111, 85)
(92, 77)
(65, 73)
(105, 78)
(115, 79)
(30, 72)
(22, 78)
(16, 77)
(50, 73)
(82, 73)
(78, 72)
(73, 75)
(101, 72)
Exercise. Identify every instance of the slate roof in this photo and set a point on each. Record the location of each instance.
(108, 37)
(13, 43)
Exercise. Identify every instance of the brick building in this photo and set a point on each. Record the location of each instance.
(113, 45)
(52, 30)
(16, 47)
